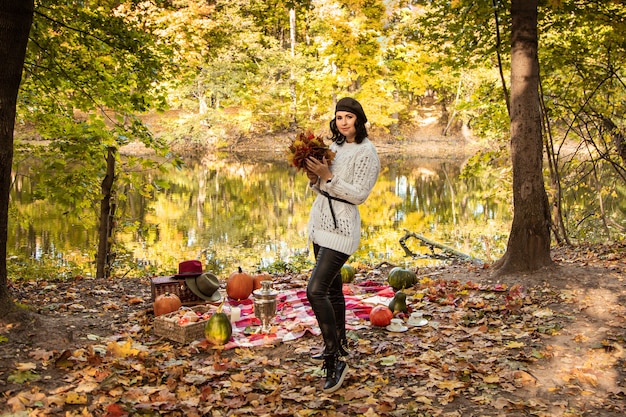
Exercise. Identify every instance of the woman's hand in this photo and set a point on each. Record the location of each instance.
(318, 168)
(312, 177)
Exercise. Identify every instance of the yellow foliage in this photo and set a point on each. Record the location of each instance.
(122, 350)
(75, 398)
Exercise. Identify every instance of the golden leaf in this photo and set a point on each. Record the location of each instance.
(491, 379)
(450, 385)
(122, 350)
(423, 399)
(87, 387)
(75, 398)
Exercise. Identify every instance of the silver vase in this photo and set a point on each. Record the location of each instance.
(265, 305)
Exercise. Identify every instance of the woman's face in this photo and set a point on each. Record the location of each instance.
(345, 123)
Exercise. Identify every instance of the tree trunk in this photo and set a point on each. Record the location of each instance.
(16, 17)
(107, 215)
(292, 81)
(528, 247)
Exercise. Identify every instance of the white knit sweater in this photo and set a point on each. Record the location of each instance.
(355, 170)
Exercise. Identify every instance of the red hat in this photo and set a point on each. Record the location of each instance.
(189, 269)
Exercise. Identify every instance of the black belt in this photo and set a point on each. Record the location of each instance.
(330, 203)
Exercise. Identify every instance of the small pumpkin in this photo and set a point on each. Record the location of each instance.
(381, 316)
(400, 278)
(398, 303)
(218, 329)
(166, 303)
(347, 273)
(258, 277)
(239, 285)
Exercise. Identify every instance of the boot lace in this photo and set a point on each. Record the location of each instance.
(330, 366)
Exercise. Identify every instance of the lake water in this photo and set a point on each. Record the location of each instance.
(252, 214)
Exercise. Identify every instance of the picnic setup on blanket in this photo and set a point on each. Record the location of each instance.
(257, 310)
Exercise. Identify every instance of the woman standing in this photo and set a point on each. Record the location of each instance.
(335, 226)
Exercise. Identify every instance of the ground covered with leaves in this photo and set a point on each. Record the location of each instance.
(547, 344)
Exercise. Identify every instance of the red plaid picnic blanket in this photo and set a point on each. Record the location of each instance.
(294, 316)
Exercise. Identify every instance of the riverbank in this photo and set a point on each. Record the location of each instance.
(424, 138)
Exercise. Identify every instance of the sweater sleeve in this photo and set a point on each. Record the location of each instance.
(366, 170)
(315, 187)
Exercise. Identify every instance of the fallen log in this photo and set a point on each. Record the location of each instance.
(447, 253)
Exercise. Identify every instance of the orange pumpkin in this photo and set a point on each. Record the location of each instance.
(257, 278)
(166, 303)
(381, 316)
(239, 285)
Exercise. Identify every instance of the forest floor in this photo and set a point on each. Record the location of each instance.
(551, 343)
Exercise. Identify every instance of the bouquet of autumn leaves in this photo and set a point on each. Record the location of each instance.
(306, 144)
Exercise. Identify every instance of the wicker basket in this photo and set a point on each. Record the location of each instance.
(166, 326)
(169, 284)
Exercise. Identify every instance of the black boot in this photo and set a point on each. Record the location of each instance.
(336, 371)
(343, 347)
(343, 352)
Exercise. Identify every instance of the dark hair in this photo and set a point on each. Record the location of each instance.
(361, 131)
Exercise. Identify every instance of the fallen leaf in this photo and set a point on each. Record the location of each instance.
(20, 377)
(352, 394)
(388, 360)
(135, 300)
(63, 360)
(501, 403)
(542, 313)
(25, 366)
(87, 387)
(122, 350)
(41, 354)
(450, 385)
(396, 392)
(585, 376)
(370, 413)
(24, 399)
(115, 410)
(491, 379)
(76, 398)
(524, 378)
(422, 399)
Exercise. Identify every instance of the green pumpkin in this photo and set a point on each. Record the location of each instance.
(398, 303)
(401, 278)
(218, 329)
(347, 273)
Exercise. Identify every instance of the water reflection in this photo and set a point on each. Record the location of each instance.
(251, 214)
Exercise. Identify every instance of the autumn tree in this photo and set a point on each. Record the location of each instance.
(89, 72)
(471, 35)
(582, 53)
(529, 240)
(15, 21)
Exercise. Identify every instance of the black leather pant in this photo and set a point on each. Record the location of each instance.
(325, 294)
